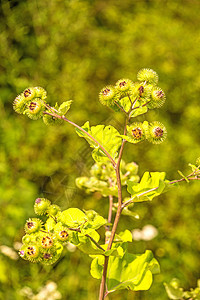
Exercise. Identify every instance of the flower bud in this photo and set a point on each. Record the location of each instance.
(51, 255)
(62, 235)
(46, 241)
(29, 93)
(30, 252)
(35, 109)
(148, 75)
(19, 104)
(41, 206)
(33, 225)
(135, 132)
(157, 133)
(141, 91)
(107, 95)
(157, 98)
(123, 87)
(53, 210)
(40, 93)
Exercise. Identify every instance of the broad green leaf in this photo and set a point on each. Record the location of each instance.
(64, 107)
(97, 222)
(139, 111)
(125, 103)
(50, 224)
(151, 185)
(107, 136)
(126, 236)
(97, 267)
(131, 271)
(72, 217)
(173, 293)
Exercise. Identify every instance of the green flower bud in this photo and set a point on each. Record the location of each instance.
(22, 251)
(175, 283)
(29, 93)
(46, 241)
(157, 133)
(33, 225)
(40, 93)
(91, 214)
(157, 98)
(123, 87)
(30, 252)
(136, 132)
(62, 235)
(53, 210)
(19, 104)
(51, 121)
(132, 168)
(107, 95)
(50, 256)
(30, 238)
(41, 206)
(148, 75)
(141, 92)
(35, 109)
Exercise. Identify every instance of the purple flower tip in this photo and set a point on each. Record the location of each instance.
(38, 200)
(21, 252)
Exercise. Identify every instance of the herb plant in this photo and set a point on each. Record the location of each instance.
(115, 179)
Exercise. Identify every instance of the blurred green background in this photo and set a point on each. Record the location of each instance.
(73, 48)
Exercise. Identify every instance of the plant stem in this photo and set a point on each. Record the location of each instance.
(117, 217)
(85, 132)
(154, 189)
(121, 108)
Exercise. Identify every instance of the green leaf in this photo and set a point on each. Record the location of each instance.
(97, 267)
(94, 221)
(139, 111)
(89, 247)
(72, 217)
(73, 237)
(107, 136)
(127, 212)
(117, 251)
(131, 271)
(182, 175)
(64, 107)
(151, 185)
(125, 103)
(195, 169)
(172, 292)
(126, 236)
(50, 224)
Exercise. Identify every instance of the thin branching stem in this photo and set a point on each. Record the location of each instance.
(121, 108)
(117, 216)
(78, 230)
(53, 114)
(130, 201)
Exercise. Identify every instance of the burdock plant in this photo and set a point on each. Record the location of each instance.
(111, 262)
